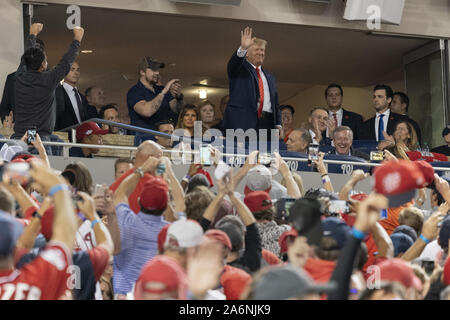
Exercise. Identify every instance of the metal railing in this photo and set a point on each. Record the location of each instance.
(123, 126)
(67, 145)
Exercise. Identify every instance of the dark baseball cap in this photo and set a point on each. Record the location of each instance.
(10, 230)
(287, 282)
(304, 216)
(147, 62)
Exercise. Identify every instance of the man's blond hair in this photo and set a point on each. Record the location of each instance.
(260, 42)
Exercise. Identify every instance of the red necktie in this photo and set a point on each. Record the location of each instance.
(261, 93)
(335, 119)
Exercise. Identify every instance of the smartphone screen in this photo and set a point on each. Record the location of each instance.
(376, 155)
(264, 159)
(338, 207)
(313, 152)
(31, 134)
(288, 203)
(205, 155)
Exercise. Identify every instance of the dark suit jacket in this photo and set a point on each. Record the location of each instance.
(352, 120)
(65, 115)
(354, 153)
(242, 111)
(367, 131)
(8, 100)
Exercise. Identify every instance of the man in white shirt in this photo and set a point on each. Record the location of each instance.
(318, 122)
(334, 96)
(384, 119)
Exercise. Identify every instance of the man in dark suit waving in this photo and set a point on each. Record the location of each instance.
(253, 100)
(385, 119)
(341, 117)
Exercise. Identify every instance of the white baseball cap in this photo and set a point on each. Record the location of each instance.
(184, 234)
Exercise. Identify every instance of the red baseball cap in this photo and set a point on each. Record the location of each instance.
(234, 282)
(255, 201)
(89, 128)
(155, 194)
(207, 175)
(447, 272)
(427, 171)
(282, 241)
(162, 237)
(359, 196)
(220, 236)
(161, 275)
(399, 270)
(24, 157)
(398, 181)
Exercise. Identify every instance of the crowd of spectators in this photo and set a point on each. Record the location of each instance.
(151, 236)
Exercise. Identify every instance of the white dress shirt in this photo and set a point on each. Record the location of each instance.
(339, 115)
(385, 122)
(73, 100)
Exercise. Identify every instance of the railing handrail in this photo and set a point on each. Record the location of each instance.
(125, 126)
(126, 148)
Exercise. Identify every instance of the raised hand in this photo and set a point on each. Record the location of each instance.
(204, 267)
(442, 187)
(281, 165)
(78, 33)
(169, 85)
(359, 175)
(36, 28)
(383, 144)
(246, 38)
(389, 156)
(331, 125)
(320, 165)
(175, 89)
(369, 212)
(150, 164)
(388, 137)
(44, 176)
(87, 206)
(430, 229)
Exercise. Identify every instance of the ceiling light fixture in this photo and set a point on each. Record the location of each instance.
(87, 51)
(203, 93)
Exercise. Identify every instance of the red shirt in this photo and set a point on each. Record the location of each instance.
(234, 282)
(45, 278)
(389, 224)
(133, 198)
(270, 257)
(319, 270)
(286, 137)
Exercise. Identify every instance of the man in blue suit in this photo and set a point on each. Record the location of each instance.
(253, 100)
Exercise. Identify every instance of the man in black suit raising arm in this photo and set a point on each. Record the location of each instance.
(384, 119)
(253, 102)
(334, 96)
